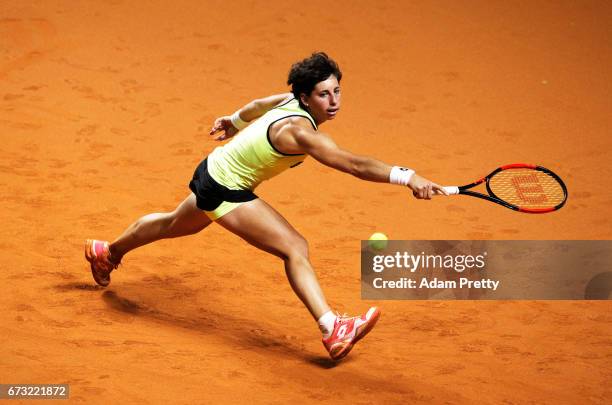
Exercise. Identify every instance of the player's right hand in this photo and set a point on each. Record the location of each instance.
(223, 125)
(423, 188)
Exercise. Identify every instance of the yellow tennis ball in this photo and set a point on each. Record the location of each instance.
(378, 241)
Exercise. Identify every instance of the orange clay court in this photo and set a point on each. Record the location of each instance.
(105, 109)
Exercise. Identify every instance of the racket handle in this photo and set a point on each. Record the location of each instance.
(452, 190)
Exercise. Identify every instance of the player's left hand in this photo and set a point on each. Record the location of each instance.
(223, 125)
(423, 188)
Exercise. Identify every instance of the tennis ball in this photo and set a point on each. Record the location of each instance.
(378, 241)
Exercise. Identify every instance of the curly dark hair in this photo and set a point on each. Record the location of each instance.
(305, 74)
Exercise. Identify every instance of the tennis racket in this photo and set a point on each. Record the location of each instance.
(520, 187)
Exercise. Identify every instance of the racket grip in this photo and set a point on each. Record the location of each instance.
(452, 190)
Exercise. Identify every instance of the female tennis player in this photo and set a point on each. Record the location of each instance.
(276, 133)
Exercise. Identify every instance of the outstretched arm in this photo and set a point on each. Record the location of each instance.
(230, 125)
(324, 149)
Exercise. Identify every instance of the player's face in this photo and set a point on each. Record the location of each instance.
(324, 100)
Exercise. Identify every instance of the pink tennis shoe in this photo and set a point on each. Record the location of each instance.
(97, 254)
(348, 331)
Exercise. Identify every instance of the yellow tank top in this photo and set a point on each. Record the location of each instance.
(249, 158)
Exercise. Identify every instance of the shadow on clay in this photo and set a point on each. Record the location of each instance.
(239, 331)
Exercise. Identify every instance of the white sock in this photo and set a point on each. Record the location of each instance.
(326, 323)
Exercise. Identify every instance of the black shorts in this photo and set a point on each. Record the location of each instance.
(210, 194)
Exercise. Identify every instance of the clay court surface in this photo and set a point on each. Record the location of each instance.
(104, 113)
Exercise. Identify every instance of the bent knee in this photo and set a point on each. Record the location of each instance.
(296, 246)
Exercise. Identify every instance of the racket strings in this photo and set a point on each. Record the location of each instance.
(527, 188)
